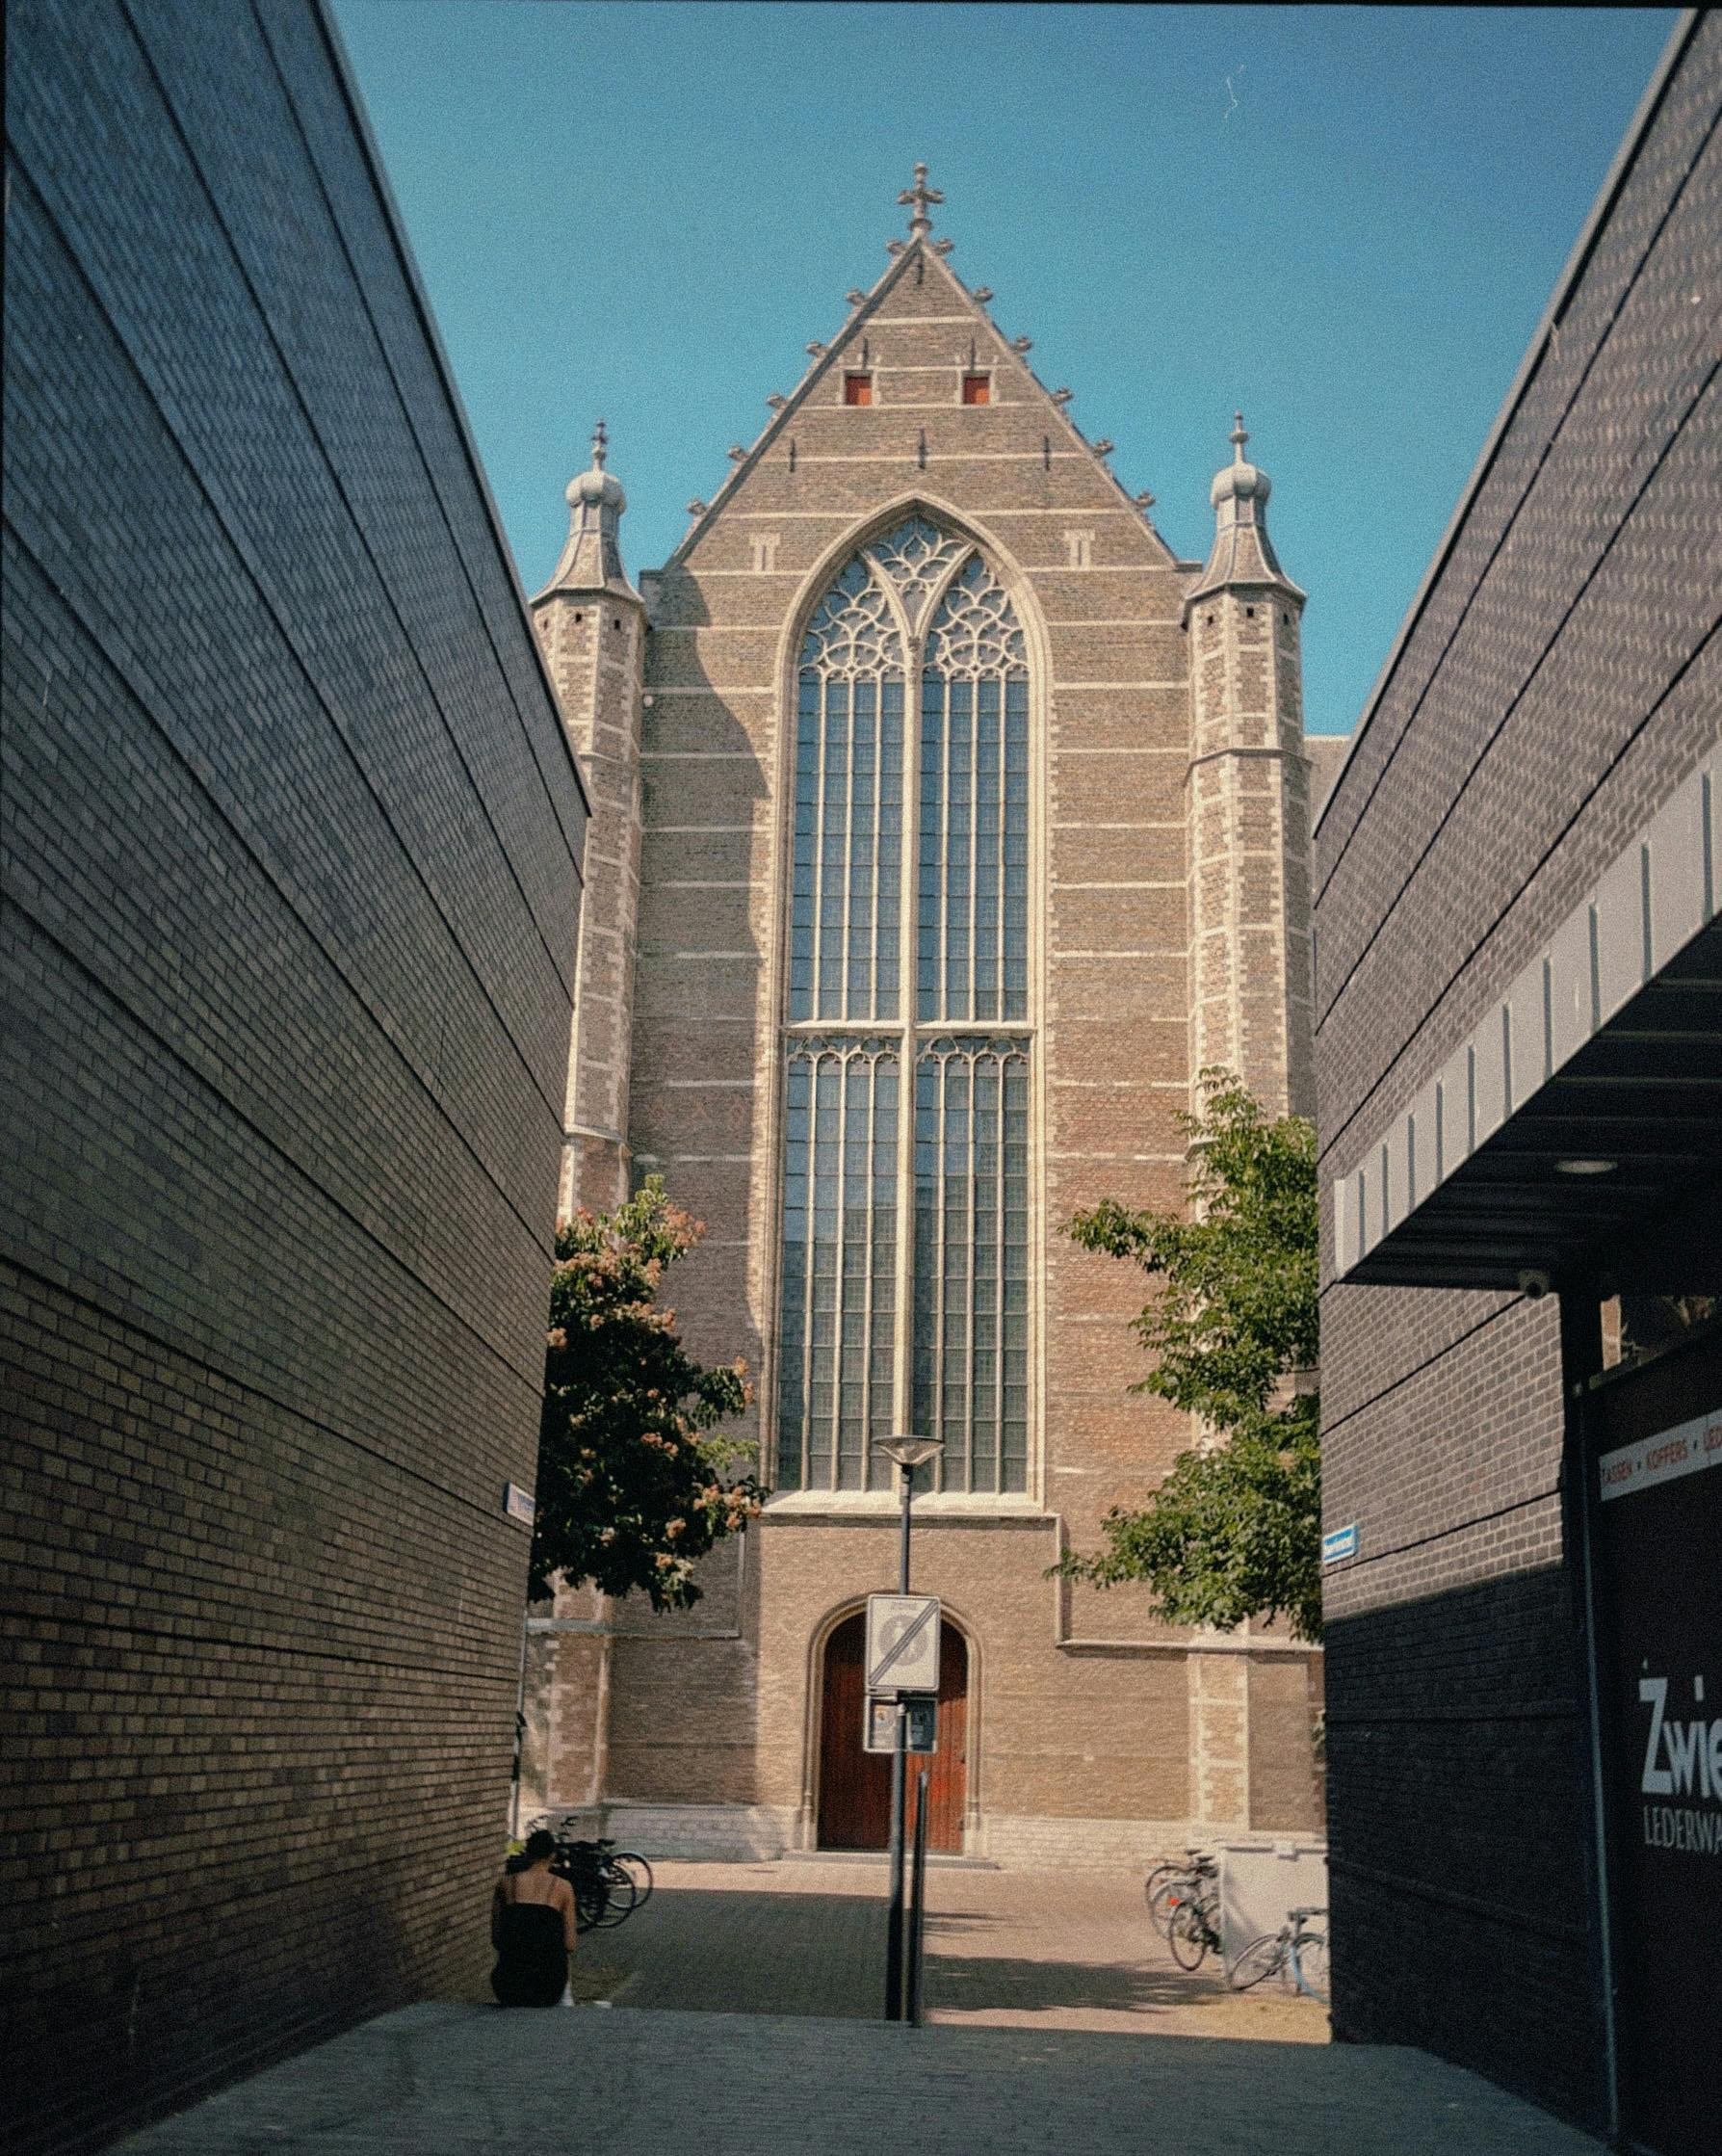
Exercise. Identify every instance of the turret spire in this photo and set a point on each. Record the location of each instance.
(1242, 552)
(592, 559)
(917, 199)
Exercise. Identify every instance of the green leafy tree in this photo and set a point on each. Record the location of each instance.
(632, 1491)
(1235, 1529)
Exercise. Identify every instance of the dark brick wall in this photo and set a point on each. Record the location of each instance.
(1455, 1772)
(1563, 673)
(291, 880)
(1559, 677)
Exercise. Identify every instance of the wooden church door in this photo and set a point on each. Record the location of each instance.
(854, 1803)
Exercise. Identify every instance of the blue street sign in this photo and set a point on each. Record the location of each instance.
(1339, 1545)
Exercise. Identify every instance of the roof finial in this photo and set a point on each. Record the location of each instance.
(600, 446)
(916, 198)
(1238, 438)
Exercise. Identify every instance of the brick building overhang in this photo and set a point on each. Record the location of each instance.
(1577, 1128)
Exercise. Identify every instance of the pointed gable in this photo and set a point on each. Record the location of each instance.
(915, 340)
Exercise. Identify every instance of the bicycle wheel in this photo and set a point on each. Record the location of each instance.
(1306, 1967)
(1258, 1961)
(1189, 1936)
(619, 1897)
(1169, 1897)
(1162, 1875)
(640, 1871)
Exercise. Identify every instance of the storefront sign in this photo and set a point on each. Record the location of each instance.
(1662, 1458)
(1658, 1548)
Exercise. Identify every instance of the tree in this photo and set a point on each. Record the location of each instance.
(630, 1492)
(1235, 1529)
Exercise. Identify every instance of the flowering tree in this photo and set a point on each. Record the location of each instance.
(630, 1492)
(1235, 1529)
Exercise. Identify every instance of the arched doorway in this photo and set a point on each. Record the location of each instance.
(855, 1795)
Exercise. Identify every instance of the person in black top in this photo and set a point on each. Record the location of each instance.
(532, 1928)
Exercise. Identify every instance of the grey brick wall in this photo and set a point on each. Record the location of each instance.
(1557, 680)
(291, 870)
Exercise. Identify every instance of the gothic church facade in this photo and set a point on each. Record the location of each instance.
(945, 827)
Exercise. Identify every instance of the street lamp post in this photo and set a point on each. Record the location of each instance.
(909, 1453)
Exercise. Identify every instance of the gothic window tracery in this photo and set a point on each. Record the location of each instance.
(977, 632)
(915, 555)
(853, 632)
(907, 1112)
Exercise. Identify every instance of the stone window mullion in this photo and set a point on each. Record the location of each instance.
(913, 660)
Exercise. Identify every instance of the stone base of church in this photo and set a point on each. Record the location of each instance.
(714, 1833)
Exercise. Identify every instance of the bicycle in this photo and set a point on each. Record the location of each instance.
(604, 1895)
(1169, 1886)
(1294, 1953)
(1192, 1933)
(640, 1871)
(607, 1888)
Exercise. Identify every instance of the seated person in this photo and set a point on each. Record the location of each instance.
(532, 1928)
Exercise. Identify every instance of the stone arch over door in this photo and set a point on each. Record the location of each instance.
(853, 1786)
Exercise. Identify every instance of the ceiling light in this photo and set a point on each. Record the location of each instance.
(1587, 1167)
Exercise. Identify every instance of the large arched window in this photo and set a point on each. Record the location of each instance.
(906, 1187)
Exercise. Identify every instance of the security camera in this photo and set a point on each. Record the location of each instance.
(1534, 1284)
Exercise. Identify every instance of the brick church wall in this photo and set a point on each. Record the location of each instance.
(1554, 684)
(292, 842)
(1083, 1703)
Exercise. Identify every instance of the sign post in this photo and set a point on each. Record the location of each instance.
(917, 1903)
(908, 1635)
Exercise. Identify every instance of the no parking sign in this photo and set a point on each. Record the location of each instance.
(902, 1643)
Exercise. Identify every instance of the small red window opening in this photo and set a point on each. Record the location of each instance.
(857, 389)
(977, 389)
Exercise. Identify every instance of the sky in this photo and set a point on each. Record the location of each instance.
(1346, 220)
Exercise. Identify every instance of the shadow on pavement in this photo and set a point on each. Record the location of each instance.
(704, 1950)
(700, 1951)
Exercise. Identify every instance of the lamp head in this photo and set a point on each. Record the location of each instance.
(910, 1453)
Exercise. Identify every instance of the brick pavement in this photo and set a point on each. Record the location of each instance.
(1035, 2043)
(1049, 1950)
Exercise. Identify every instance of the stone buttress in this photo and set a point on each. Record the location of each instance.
(1249, 806)
(591, 624)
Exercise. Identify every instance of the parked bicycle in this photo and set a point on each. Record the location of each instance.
(1296, 1953)
(1169, 1886)
(1193, 1933)
(608, 1885)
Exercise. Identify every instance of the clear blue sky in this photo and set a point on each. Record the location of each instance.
(1345, 219)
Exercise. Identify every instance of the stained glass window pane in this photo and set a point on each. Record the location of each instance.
(972, 892)
(837, 1323)
(845, 902)
(970, 1352)
(968, 827)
